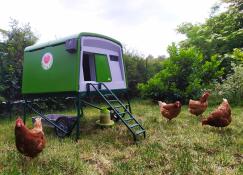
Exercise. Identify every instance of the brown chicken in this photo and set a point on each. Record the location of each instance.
(197, 107)
(220, 117)
(171, 110)
(29, 142)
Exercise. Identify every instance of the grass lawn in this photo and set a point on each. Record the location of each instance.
(181, 146)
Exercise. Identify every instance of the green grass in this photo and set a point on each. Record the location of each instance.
(181, 146)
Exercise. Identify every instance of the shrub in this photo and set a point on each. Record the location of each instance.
(184, 74)
(232, 87)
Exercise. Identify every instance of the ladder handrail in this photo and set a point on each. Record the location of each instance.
(121, 104)
(111, 106)
(99, 89)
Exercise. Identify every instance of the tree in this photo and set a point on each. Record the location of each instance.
(135, 71)
(139, 69)
(12, 52)
(153, 66)
(3, 35)
(219, 35)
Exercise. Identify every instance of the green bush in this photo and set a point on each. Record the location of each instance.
(184, 74)
(231, 88)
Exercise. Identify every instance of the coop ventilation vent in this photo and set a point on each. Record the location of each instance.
(71, 45)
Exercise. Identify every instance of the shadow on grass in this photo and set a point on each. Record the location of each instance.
(221, 131)
(117, 134)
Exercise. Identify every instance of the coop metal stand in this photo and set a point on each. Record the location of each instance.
(79, 104)
(30, 106)
(79, 114)
(33, 106)
(121, 111)
(25, 108)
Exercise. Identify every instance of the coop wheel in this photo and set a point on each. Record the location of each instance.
(62, 122)
(114, 117)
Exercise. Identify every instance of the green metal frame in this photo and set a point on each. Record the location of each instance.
(79, 109)
(28, 103)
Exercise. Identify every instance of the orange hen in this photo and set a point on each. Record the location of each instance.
(29, 142)
(197, 107)
(171, 110)
(220, 117)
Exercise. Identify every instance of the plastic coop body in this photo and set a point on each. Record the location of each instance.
(68, 64)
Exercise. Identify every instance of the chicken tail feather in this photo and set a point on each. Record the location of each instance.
(161, 104)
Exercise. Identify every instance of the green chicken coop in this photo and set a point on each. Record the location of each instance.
(77, 66)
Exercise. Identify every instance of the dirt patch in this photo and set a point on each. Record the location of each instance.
(238, 157)
(211, 151)
(100, 163)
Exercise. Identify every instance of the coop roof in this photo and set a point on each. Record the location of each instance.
(62, 40)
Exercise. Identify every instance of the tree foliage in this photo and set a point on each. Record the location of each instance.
(139, 70)
(204, 58)
(220, 34)
(11, 60)
(183, 75)
(232, 87)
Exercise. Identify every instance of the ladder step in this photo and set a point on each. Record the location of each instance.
(139, 132)
(128, 119)
(112, 100)
(121, 113)
(134, 125)
(107, 95)
(118, 106)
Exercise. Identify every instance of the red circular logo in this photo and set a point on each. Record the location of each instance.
(46, 61)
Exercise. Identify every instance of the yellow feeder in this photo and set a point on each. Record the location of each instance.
(105, 119)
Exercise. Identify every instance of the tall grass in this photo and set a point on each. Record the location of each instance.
(181, 146)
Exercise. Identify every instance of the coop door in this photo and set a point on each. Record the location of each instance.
(102, 67)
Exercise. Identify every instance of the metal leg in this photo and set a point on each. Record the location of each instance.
(10, 111)
(79, 115)
(25, 109)
(128, 101)
(9, 108)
